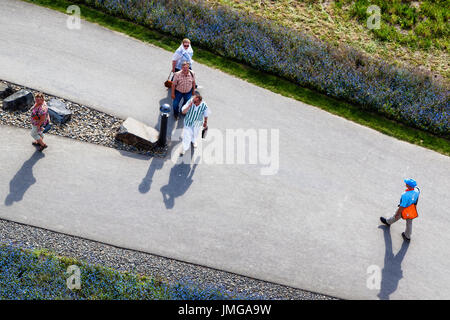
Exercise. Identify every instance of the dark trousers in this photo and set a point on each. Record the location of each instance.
(178, 97)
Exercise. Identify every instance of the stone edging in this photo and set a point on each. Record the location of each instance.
(87, 124)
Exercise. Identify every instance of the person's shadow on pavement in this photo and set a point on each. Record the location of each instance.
(392, 271)
(179, 182)
(156, 164)
(23, 179)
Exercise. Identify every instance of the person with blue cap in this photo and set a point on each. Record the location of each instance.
(406, 209)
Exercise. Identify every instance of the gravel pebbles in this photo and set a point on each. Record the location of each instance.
(160, 268)
(87, 125)
(96, 127)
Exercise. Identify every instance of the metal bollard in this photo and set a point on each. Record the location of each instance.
(165, 112)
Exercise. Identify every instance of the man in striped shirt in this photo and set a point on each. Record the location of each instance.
(183, 87)
(196, 114)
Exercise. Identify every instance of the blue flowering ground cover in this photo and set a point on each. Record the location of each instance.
(40, 275)
(403, 94)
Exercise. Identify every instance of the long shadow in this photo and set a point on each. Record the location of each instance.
(392, 271)
(23, 179)
(156, 164)
(180, 180)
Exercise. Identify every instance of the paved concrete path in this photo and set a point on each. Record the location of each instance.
(313, 225)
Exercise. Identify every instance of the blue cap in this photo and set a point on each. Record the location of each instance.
(410, 182)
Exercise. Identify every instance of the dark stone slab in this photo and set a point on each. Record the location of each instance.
(21, 100)
(5, 91)
(137, 134)
(58, 111)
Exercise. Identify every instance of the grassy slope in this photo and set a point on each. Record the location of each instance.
(261, 79)
(413, 34)
(41, 274)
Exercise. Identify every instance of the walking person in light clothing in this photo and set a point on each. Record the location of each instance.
(196, 113)
(407, 208)
(39, 119)
(183, 53)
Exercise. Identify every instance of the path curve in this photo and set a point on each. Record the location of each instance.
(312, 225)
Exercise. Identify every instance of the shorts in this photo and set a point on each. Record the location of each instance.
(36, 134)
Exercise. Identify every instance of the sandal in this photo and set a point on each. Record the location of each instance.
(42, 147)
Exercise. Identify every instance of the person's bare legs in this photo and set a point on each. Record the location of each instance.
(41, 142)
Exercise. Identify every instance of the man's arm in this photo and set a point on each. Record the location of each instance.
(174, 64)
(205, 117)
(193, 82)
(174, 84)
(187, 106)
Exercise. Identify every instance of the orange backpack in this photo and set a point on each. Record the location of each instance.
(410, 212)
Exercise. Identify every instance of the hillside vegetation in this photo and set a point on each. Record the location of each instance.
(27, 274)
(411, 32)
(402, 102)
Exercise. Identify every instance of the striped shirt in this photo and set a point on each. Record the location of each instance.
(183, 82)
(194, 117)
